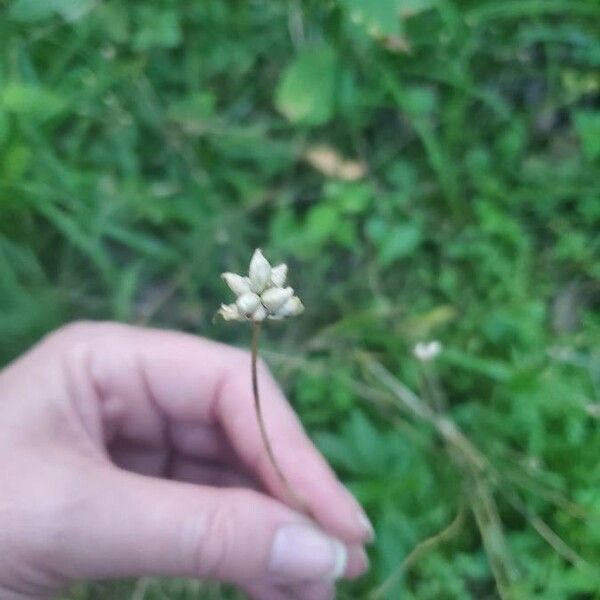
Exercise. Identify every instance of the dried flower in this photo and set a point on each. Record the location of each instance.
(427, 351)
(261, 295)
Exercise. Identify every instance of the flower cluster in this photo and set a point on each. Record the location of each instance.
(427, 351)
(261, 295)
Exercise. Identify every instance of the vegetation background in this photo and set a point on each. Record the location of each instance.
(429, 168)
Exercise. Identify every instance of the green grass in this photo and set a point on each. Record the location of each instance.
(146, 147)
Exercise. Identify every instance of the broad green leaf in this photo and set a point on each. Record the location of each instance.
(306, 90)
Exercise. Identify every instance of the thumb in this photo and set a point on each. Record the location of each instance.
(144, 526)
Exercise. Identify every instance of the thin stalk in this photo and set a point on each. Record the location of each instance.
(294, 497)
(416, 553)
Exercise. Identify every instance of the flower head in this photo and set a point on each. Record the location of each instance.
(260, 295)
(427, 351)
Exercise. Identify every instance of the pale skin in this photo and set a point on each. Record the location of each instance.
(128, 452)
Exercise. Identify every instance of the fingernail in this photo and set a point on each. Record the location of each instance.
(301, 552)
(364, 561)
(367, 526)
(364, 523)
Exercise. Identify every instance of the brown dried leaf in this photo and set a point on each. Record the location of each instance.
(329, 162)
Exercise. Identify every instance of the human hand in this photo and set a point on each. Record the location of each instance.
(129, 452)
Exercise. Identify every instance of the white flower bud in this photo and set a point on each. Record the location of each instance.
(237, 284)
(260, 272)
(274, 298)
(260, 314)
(248, 303)
(230, 312)
(278, 275)
(291, 308)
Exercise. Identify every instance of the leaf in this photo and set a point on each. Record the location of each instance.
(321, 224)
(350, 198)
(29, 11)
(4, 127)
(419, 101)
(115, 21)
(403, 241)
(15, 161)
(494, 369)
(361, 448)
(195, 107)
(306, 91)
(31, 101)
(383, 20)
(378, 17)
(157, 28)
(394, 242)
(72, 10)
(587, 125)
(338, 451)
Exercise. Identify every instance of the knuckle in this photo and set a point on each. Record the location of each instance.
(71, 334)
(214, 550)
(218, 550)
(83, 331)
(75, 330)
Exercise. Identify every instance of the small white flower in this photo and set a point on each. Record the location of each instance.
(261, 295)
(248, 303)
(260, 272)
(278, 275)
(274, 298)
(230, 312)
(427, 351)
(593, 410)
(292, 308)
(260, 314)
(237, 284)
